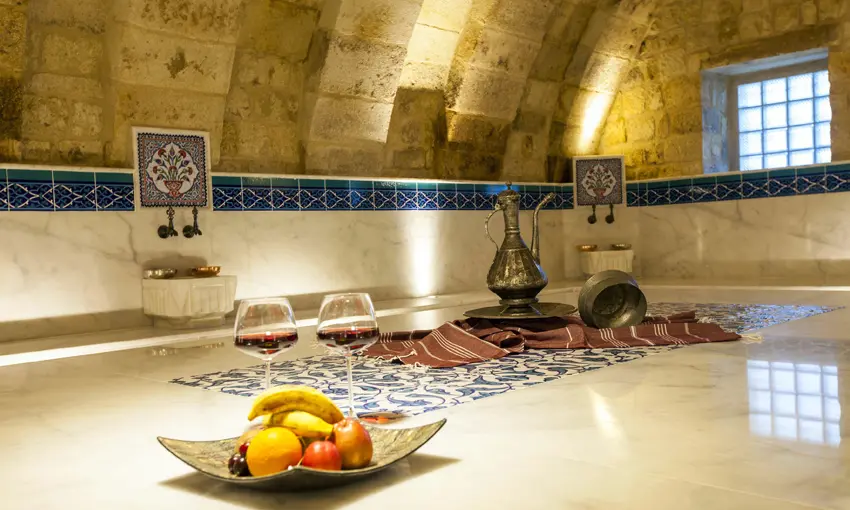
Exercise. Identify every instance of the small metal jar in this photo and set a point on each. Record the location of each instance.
(611, 299)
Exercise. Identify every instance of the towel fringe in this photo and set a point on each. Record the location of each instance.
(753, 338)
(415, 367)
(418, 367)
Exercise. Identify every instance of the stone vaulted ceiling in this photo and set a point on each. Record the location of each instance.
(463, 89)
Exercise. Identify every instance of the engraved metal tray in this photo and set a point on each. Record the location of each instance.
(390, 446)
(533, 311)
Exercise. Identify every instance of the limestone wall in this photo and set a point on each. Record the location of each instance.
(461, 89)
(658, 120)
(453, 89)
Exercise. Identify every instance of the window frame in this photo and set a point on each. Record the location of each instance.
(733, 132)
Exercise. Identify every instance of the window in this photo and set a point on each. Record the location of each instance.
(783, 119)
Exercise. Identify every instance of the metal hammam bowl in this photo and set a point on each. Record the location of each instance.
(611, 299)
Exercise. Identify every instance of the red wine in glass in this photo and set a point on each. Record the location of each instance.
(347, 340)
(263, 345)
(347, 324)
(264, 328)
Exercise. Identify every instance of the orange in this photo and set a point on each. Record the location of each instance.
(272, 451)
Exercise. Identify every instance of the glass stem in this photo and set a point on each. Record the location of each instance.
(350, 387)
(268, 373)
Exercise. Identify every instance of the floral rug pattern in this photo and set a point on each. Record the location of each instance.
(386, 387)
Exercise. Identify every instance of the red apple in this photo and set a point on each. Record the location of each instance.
(322, 455)
(354, 443)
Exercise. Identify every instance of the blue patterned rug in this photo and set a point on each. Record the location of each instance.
(389, 387)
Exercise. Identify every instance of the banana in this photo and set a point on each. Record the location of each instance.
(295, 398)
(302, 423)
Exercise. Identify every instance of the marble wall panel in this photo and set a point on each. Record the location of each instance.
(56, 264)
(802, 239)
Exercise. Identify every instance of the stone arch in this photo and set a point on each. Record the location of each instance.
(356, 61)
(604, 55)
(486, 82)
(529, 140)
(264, 104)
(417, 127)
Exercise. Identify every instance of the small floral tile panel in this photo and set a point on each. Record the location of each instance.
(599, 180)
(391, 387)
(172, 167)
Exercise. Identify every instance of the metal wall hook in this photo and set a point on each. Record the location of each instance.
(192, 231)
(592, 218)
(610, 218)
(166, 231)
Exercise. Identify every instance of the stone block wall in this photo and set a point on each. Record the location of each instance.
(662, 116)
(457, 89)
(62, 97)
(261, 131)
(169, 64)
(13, 50)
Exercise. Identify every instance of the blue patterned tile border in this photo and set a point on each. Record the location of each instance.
(257, 196)
(115, 191)
(284, 194)
(231, 193)
(227, 193)
(785, 182)
(30, 190)
(33, 189)
(390, 387)
(4, 193)
(27, 189)
(74, 191)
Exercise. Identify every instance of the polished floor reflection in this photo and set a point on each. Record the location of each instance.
(794, 401)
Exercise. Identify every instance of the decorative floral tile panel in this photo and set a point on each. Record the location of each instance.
(599, 180)
(172, 167)
(384, 386)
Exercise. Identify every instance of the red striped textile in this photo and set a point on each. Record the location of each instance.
(474, 340)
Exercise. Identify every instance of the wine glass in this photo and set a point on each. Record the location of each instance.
(347, 325)
(265, 328)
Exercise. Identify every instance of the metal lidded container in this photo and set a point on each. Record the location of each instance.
(611, 299)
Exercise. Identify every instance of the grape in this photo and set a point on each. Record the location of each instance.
(238, 465)
(243, 448)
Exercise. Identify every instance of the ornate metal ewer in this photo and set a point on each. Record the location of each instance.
(515, 275)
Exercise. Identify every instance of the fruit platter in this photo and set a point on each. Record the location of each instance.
(303, 442)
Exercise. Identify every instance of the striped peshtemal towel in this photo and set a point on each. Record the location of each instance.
(473, 340)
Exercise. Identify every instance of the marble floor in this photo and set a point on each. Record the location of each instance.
(727, 426)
